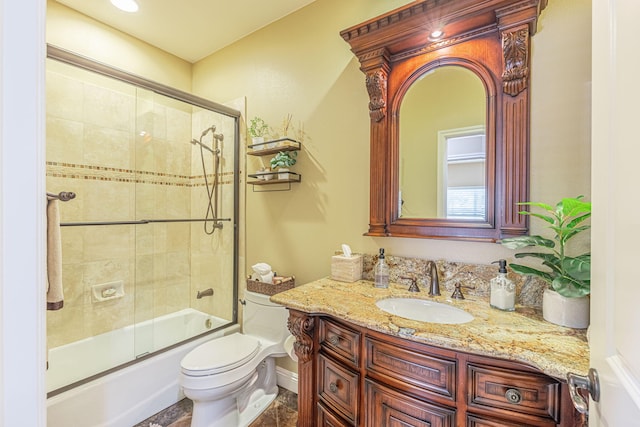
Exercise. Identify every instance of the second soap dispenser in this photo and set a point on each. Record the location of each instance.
(503, 290)
(381, 272)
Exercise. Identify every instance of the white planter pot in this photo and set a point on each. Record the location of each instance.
(283, 173)
(563, 311)
(258, 140)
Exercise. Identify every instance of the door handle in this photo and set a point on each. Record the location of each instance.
(588, 382)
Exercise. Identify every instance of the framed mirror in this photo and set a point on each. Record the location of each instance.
(449, 117)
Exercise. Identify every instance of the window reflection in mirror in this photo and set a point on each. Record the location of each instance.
(442, 148)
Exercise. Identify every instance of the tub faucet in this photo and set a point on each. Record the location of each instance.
(205, 293)
(434, 289)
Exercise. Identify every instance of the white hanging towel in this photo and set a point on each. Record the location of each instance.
(55, 296)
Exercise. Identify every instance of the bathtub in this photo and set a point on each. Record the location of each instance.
(129, 395)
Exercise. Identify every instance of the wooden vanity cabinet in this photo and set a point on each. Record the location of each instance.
(353, 376)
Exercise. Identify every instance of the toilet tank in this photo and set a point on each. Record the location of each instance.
(263, 318)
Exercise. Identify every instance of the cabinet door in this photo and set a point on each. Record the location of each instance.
(387, 408)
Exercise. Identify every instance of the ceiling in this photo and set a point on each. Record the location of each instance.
(189, 29)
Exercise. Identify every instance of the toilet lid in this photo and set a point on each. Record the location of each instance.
(220, 355)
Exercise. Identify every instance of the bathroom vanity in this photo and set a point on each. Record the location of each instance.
(361, 366)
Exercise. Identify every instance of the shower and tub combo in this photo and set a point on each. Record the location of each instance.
(143, 284)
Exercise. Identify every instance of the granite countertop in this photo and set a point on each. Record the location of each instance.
(520, 336)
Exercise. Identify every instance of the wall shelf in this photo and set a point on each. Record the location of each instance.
(268, 148)
(274, 146)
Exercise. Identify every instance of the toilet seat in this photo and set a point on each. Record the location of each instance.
(220, 355)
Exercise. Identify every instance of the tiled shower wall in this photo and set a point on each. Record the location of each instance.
(125, 152)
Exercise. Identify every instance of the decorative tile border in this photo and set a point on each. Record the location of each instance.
(103, 173)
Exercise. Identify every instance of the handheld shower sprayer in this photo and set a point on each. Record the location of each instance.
(212, 190)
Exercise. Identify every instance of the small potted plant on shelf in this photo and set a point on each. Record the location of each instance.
(283, 161)
(565, 301)
(258, 128)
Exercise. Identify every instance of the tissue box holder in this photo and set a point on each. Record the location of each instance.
(346, 269)
(270, 288)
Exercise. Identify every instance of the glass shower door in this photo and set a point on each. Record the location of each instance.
(147, 262)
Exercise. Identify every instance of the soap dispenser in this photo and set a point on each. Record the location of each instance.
(381, 272)
(503, 290)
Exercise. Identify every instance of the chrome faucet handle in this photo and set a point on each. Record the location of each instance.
(413, 287)
(457, 293)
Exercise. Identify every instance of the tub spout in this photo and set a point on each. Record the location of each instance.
(205, 293)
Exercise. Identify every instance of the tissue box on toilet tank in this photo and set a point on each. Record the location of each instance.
(346, 269)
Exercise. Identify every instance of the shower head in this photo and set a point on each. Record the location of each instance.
(206, 131)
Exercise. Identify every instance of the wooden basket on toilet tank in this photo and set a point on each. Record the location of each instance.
(280, 284)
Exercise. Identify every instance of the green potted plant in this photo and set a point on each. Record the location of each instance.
(283, 161)
(568, 277)
(258, 128)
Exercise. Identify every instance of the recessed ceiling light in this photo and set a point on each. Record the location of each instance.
(126, 5)
(436, 35)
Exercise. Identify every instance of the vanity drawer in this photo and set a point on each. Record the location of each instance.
(430, 374)
(338, 388)
(474, 421)
(340, 341)
(326, 418)
(514, 394)
(387, 407)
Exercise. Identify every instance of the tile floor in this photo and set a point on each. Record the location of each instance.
(283, 412)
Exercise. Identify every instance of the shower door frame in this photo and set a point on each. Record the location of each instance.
(85, 63)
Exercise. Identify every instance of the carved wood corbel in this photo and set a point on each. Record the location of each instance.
(301, 327)
(377, 87)
(515, 50)
(375, 65)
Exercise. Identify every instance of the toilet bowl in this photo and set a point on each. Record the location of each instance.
(232, 379)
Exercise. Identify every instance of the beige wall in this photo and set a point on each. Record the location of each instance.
(85, 36)
(301, 66)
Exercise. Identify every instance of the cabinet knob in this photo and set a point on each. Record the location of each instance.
(334, 339)
(513, 396)
(333, 387)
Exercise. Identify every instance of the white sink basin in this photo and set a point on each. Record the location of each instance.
(424, 310)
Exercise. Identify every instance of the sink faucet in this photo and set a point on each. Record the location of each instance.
(435, 283)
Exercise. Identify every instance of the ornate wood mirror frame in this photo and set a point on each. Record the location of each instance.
(489, 37)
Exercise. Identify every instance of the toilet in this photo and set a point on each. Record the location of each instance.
(232, 379)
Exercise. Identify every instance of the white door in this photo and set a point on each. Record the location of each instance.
(22, 212)
(615, 318)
